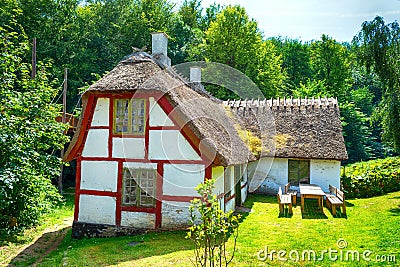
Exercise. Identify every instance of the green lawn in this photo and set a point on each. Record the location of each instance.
(372, 224)
(12, 245)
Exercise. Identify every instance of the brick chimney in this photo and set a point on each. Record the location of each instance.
(159, 45)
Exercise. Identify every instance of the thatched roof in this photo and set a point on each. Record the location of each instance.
(206, 118)
(304, 128)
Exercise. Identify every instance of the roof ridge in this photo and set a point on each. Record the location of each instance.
(276, 103)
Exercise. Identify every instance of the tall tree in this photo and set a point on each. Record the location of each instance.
(142, 18)
(296, 61)
(191, 13)
(330, 63)
(235, 40)
(379, 51)
(186, 32)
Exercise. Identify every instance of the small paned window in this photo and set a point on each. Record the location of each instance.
(129, 116)
(139, 187)
(299, 172)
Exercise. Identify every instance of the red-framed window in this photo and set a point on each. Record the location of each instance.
(129, 116)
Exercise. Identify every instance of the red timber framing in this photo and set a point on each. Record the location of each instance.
(76, 152)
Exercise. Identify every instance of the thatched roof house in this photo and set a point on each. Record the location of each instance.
(302, 141)
(305, 128)
(147, 137)
(142, 73)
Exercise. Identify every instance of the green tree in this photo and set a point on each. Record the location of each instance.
(29, 134)
(296, 61)
(330, 63)
(186, 32)
(379, 50)
(356, 132)
(141, 19)
(311, 88)
(235, 40)
(191, 13)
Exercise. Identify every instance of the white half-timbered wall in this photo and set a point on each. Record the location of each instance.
(275, 171)
(179, 180)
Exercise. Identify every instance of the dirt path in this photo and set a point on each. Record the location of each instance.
(43, 244)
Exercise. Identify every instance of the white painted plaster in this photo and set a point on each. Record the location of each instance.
(244, 193)
(218, 175)
(170, 144)
(230, 205)
(175, 214)
(245, 179)
(101, 112)
(129, 148)
(229, 186)
(324, 173)
(96, 144)
(181, 179)
(272, 174)
(230, 179)
(138, 219)
(97, 209)
(99, 175)
(157, 115)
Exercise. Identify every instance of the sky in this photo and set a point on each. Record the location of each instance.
(309, 19)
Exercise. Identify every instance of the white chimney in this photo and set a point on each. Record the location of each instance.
(195, 74)
(159, 45)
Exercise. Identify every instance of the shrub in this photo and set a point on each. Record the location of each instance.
(371, 178)
(29, 135)
(211, 228)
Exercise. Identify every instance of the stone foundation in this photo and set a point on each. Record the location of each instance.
(82, 230)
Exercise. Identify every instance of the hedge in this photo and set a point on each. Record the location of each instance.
(371, 178)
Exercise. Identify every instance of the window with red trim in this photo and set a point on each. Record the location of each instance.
(139, 187)
(129, 116)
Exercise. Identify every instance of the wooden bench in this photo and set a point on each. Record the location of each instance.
(293, 193)
(284, 199)
(334, 199)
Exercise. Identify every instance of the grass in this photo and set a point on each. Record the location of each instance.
(11, 245)
(371, 224)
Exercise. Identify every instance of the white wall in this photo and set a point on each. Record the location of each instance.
(230, 181)
(170, 144)
(181, 179)
(97, 209)
(271, 174)
(324, 173)
(175, 214)
(99, 175)
(244, 189)
(138, 219)
(157, 115)
(218, 175)
(230, 205)
(101, 112)
(96, 144)
(230, 178)
(130, 148)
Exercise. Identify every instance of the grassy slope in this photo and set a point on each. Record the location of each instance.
(372, 224)
(12, 245)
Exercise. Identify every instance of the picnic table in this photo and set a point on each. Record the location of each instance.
(311, 191)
